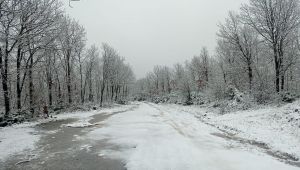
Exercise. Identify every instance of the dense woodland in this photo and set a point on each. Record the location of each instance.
(257, 55)
(45, 64)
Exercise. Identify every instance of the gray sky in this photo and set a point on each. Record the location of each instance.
(153, 32)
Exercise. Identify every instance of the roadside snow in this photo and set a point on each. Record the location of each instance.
(150, 138)
(76, 115)
(278, 127)
(16, 139)
(89, 114)
(85, 117)
(79, 124)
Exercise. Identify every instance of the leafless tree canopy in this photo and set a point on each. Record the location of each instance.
(44, 61)
(257, 53)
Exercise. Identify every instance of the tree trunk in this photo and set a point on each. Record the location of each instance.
(69, 86)
(19, 91)
(277, 69)
(50, 89)
(98, 92)
(250, 75)
(31, 103)
(49, 80)
(90, 87)
(101, 95)
(282, 82)
(59, 91)
(112, 93)
(81, 84)
(4, 76)
(117, 92)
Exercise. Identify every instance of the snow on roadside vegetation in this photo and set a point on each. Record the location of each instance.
(148, 138)
(276, 126)
(17, 138)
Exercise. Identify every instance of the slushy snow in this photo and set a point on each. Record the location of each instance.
(16, 139)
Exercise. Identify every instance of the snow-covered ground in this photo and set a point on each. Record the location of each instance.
(85, 117)
(160, 138)
(278, 126)
(88, 114)
(16, 139)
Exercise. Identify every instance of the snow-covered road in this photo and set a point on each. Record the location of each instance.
(140, 136)
(151, 138)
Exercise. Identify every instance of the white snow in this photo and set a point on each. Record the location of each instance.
(16, 139)
(87, 148)
(149, 138)
(173, 137)
(76, 115)
(85, 117)
(278, 127)
(79, 124)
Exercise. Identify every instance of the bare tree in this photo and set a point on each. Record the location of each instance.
(243, 39)
(274, 20)
(9, 40)
(72, 34)
(92, 55)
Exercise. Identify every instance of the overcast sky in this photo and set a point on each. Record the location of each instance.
(153, 32)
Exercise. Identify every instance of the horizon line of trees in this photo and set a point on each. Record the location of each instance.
(257, 53)
(44, 60)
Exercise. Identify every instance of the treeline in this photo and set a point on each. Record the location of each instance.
(44, 61)
(257, 54)
(182, 79)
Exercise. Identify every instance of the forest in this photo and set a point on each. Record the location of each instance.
(45, 64)
(256, 60)
(69, 99)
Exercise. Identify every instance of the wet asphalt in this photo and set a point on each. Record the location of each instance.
(63, 148)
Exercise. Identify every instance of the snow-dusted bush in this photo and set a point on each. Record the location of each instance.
(234, 100)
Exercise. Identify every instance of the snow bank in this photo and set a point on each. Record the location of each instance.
(148, 138)
(16, 139)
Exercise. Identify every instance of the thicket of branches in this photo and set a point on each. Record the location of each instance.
(44, 61)
(257, 54)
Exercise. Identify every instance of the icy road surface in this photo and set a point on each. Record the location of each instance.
(143, 137)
